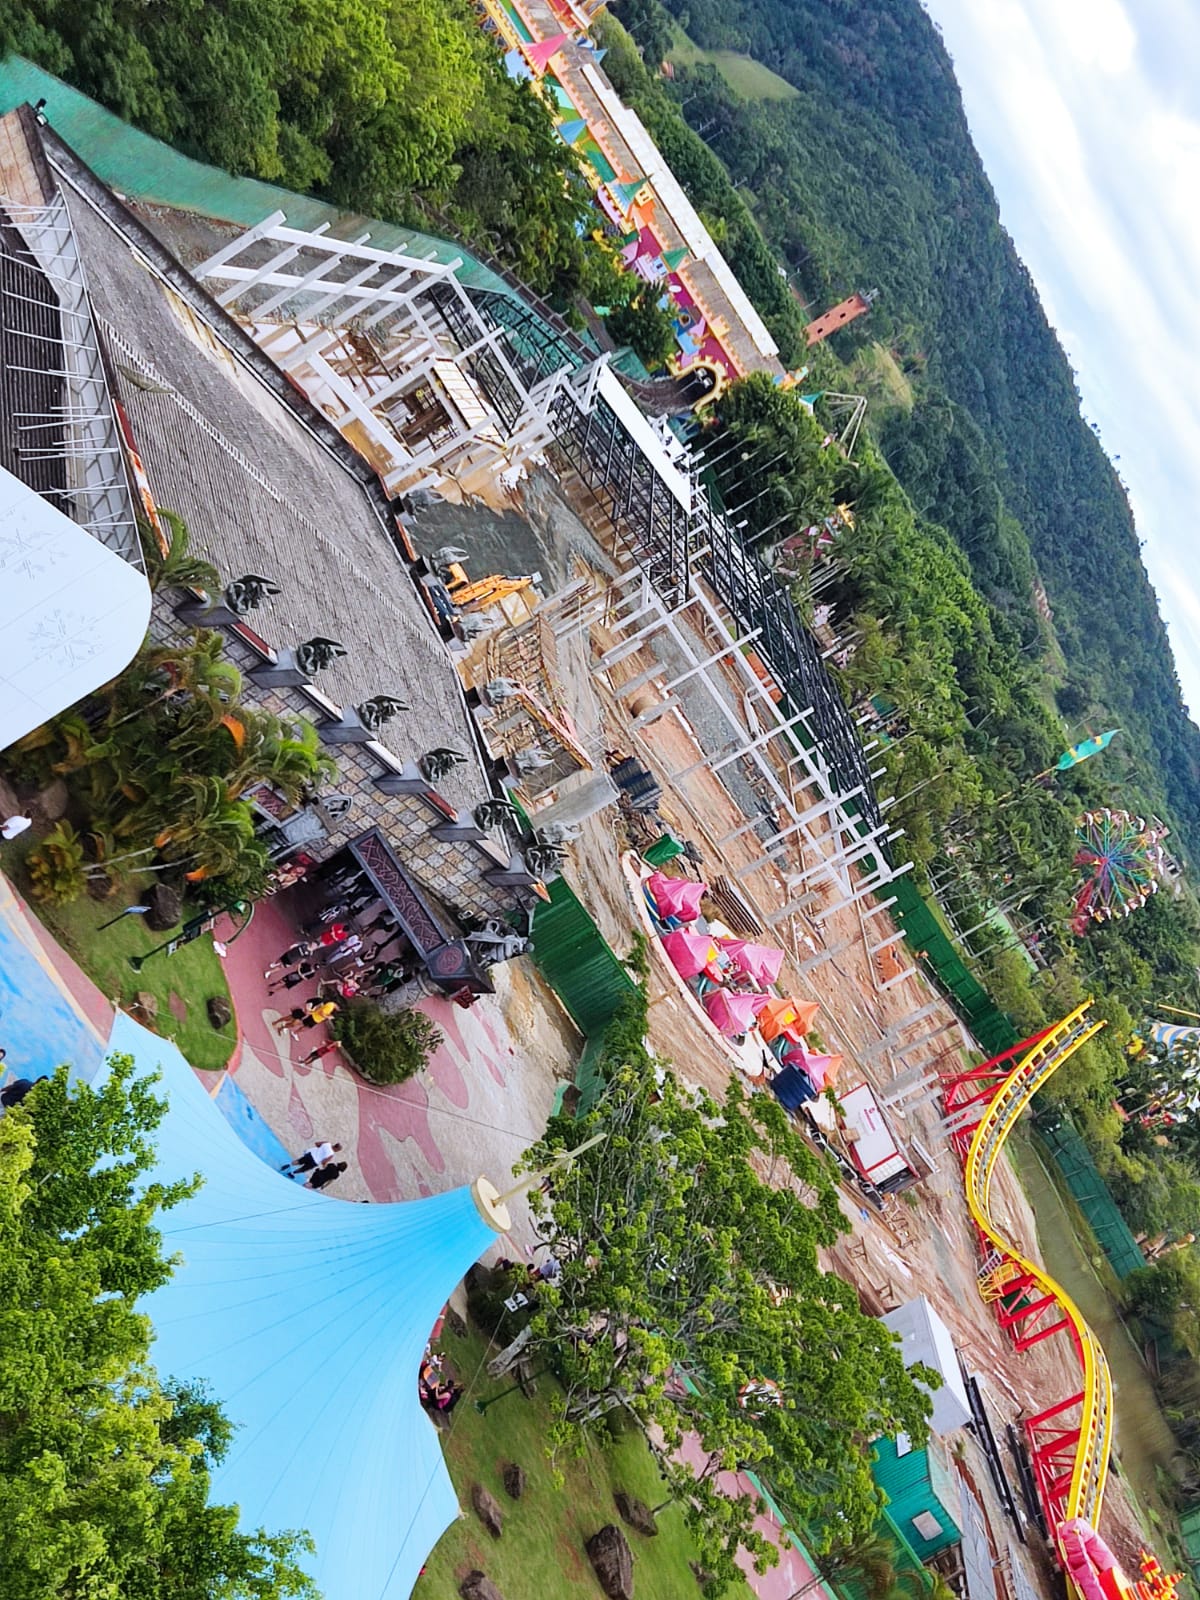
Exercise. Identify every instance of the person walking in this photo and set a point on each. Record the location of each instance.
(318, 1013)
(291, 957)
(303, 1016)
(351, 945)
(319, 1053)
(315, 1156)
(307, 969)
(326, 1175)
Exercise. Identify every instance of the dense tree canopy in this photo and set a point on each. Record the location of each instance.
(399, 108)
(690, 1288)
(103, 1470)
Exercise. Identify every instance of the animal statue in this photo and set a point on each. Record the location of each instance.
(440, 763)
(314, 655)
(379, 709)
(473, 625)
(556, 833)
(448, 556)
(247, 593)
(532, 759)
(543, 860)
(497, 942)
(501, 689)
(489, 814)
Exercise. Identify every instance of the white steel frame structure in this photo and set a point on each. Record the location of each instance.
(785, 752)
(361, 328)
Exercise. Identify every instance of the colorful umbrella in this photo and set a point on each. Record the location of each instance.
(676, 897)
(758, 961)
(821, 1070)
(731, 1013)
(790, 1016)
(689, 953)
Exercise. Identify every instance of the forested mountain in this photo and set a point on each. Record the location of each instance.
(868, 178)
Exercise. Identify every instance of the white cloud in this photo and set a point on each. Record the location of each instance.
(1089, 125)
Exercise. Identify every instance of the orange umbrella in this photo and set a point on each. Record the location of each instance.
(790, 1016)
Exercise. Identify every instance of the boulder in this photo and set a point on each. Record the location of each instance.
(219, 1012)
(636, 1513)
(476, 1586)
(487, 1510)
(147, 1004)
(572, 1095)
(166, 908)
(514, 1480)
(456, 1323)
(612, 1562)
(50, 804)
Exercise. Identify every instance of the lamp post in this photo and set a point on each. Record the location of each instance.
(192, 929)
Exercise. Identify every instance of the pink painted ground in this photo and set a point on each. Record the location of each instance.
(484, 1096)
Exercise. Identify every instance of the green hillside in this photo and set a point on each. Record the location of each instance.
(868, 178)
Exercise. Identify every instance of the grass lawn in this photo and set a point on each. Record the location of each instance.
(541, 1554)
(743, 74)
(192, 975)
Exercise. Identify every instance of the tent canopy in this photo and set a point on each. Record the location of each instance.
(676, 897)
(730, 1013)
(307, 1316)
(689, 953)
(790, 1016)
(758, 961)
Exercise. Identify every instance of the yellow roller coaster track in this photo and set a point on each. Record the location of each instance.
(1090, 1471)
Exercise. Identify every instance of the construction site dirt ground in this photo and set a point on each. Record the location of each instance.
(925, 1244)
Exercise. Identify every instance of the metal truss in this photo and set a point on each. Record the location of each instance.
(61, 436)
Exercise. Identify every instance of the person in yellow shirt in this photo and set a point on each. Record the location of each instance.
(317, 1013)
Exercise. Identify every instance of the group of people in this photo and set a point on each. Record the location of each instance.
(340, 962)
(318, 1165)
(438, 1393)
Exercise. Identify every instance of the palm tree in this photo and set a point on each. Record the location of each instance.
(868, 1560)
(175, 569)
(268, 751)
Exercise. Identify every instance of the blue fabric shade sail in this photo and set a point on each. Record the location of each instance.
(307, 1317)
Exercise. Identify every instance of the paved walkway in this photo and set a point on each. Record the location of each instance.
(484, 1097)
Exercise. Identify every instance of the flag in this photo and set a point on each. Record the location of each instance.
(1085, 750)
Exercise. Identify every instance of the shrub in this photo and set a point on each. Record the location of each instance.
(56, 867)
(386, 1046)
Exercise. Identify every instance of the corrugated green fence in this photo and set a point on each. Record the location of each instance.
(925, 935)
(573, 957)
(1065, 1143)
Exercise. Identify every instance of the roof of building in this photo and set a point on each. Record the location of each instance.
(925, 1338)
(264, 483)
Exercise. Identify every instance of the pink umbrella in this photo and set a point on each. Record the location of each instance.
(690, 953)
(758, 961)
(732, 1013)
(821, 1070)
(676, 897)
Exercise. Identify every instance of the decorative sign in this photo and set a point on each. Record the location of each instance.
(72, 613)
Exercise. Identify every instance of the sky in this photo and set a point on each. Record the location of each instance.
(1087, 116)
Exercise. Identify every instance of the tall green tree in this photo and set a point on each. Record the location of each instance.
(103, 1472)
(691, 1297)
